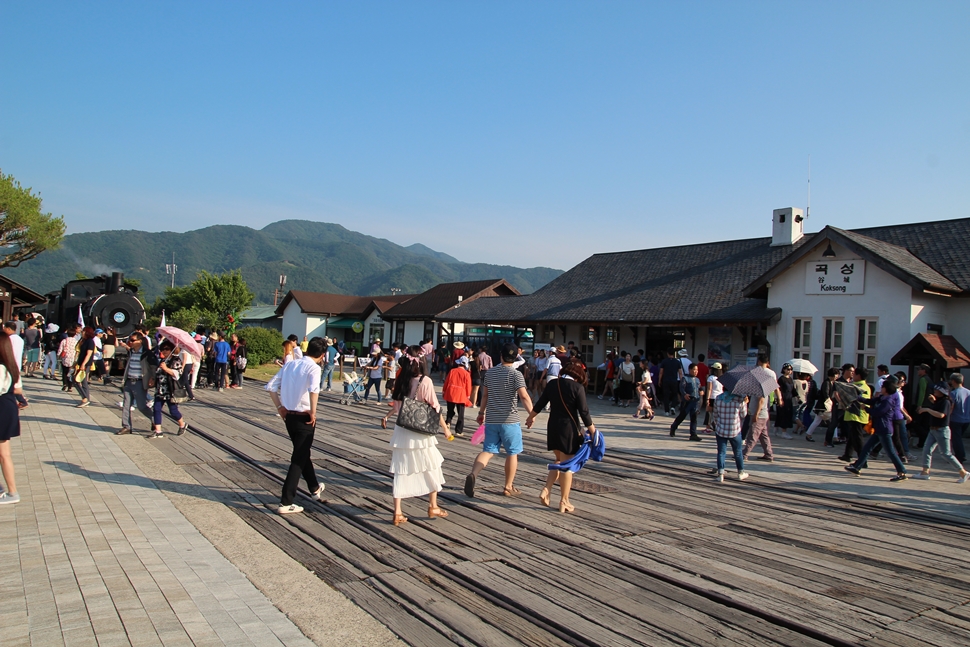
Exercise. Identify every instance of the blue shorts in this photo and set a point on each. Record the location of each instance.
(508, 436)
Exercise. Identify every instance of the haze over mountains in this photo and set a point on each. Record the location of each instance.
(315, 256)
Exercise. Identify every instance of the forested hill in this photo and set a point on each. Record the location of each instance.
(314, 256)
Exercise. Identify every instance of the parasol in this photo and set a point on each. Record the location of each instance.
(729, 380)
(181, 339)
(756, 383)
(802, 366)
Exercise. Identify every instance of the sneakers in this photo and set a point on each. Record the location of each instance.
(742, 476)
(767, 459)
(123, 431)
(809, 439)
(844, 459)
(713, 471)
(786, 435)
(181, 430)
(600, 397)
(83, 404)
(899, 477)
(695, 438)
(157, 434)
(6, 497)
(852, 469)
(318, 495)
(289, 509)
(964, 478)
(911, 457)
(719, 477)
(922, 477)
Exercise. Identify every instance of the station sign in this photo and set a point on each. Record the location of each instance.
(835, 276)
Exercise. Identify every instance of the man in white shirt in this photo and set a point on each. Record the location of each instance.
(295, 390)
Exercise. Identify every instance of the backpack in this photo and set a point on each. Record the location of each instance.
(241, 363)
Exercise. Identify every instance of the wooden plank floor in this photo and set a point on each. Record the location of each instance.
(642, 561)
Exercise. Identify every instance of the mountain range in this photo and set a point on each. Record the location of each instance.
(315, 256)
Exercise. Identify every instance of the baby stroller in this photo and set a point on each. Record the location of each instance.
(353, 387)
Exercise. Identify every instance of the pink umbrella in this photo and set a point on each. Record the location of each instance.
(181, 339)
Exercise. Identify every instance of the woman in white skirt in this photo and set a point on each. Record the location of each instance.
(415, 459)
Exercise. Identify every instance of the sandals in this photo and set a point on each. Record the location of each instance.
(399, 519)
(383, 423)
(544, 497)
(437, 512)
(565, 506)
(511, 491)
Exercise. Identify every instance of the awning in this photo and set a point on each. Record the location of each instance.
(341, 322)
(943, 351)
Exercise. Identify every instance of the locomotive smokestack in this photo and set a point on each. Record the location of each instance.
(116, 283)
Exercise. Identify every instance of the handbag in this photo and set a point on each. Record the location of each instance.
(179, 393)
(419, 417)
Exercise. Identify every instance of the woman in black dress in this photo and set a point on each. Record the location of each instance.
(9, 416)
(567, 399)
(785, 413)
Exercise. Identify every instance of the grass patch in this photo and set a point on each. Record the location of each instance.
(262, 372)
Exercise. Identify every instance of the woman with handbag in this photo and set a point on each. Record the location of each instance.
(9, 416)
(564, 437)
(168, 388)
(415, 459)
(83, 366)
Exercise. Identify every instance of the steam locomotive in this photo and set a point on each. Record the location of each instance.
(103, 301)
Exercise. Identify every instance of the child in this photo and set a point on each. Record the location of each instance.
(644, 406)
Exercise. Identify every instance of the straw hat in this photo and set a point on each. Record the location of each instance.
(458, 345)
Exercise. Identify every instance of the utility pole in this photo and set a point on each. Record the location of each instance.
(278, 291)
(172, 269)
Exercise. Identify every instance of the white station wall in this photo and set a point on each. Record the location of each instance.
(885, 298)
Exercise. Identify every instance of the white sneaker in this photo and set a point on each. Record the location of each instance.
(922, 477)
(786, 435)
(720, 477)
(600, 397)
(289, 509)
(319, 493)
(742, 476)
(964, 478)
(6, 497)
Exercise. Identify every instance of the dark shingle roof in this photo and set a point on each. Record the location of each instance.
(706, 283)
(689, 283)
(444, 297)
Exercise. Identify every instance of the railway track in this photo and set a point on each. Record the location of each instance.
(632, 462)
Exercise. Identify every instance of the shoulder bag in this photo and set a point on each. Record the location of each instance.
(419, 417)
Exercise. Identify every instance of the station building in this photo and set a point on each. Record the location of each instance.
(894, 295)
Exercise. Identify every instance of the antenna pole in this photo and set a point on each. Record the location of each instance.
(808, 207)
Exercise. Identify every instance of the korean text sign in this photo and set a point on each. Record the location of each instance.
(835, 276)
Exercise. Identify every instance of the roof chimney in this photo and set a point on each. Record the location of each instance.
(787, 226)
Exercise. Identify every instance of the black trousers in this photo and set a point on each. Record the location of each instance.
(688, 409)
(460, 408)
(671, 393)
(301, 433)
(855, 437)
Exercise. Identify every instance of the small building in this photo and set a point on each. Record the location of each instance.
(261, 317)
(426, 316)
(14, 296)
(347, 318)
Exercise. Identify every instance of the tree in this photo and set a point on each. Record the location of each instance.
(25, 231)
(185, 318)
(220, 295)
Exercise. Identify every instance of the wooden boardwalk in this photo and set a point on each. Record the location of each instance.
(653, 555)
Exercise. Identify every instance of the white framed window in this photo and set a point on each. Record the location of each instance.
(866, 343)
(833, 343)
(612, 334)
(586, 353)
(802, 345)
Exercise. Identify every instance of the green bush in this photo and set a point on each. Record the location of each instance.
(262, 344)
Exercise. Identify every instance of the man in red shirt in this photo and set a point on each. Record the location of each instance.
(703, 370)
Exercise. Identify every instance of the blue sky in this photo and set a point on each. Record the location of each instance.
(526, 133)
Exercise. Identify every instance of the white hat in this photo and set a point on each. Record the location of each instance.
(52, 328)
(682, 353)
(462, 361)
(458, 345)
